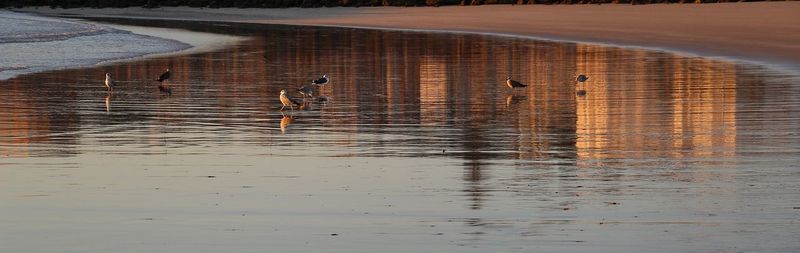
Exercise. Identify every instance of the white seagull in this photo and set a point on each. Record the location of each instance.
(110, 82)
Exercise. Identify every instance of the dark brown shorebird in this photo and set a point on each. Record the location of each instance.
(306, 90)
(286, 100)
(581, 78)
(164, 76)
(514, 84)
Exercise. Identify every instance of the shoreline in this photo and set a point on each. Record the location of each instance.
(762, 33)
(197, 41)
(154, 38)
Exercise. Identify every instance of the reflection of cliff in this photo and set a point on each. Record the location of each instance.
(660, 108)
(433, 84)
(24, 126)
(430, 90)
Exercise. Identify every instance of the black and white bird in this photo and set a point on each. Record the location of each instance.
(164, 76)
(322, 80)
(286, 100)
(110, 83)
(581, 78)
(514, 84)
(306, 90)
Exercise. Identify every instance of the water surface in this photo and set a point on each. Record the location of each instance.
(420, 147)
(31, 44)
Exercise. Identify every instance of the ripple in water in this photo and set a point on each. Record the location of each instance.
(33, 44)
(419, 145)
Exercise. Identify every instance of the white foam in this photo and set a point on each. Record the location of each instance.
(32, 44)
(19, 27)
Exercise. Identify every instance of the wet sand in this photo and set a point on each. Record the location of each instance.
(765, 32)
(199, 41)
(421, 148)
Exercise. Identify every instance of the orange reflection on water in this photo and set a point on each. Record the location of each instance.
(409, 93)
(663, 108)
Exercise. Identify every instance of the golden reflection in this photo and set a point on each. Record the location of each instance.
(689, 111)
(513, 100)
(285, 122)
(433, 84)
(108, 103)
(635, 103)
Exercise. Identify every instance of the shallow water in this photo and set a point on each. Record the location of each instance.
(421, 147)
(31, 44)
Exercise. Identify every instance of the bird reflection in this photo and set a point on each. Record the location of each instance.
(108, 103)
(580, 93)
(285, 122)
(514, 99)
(165, 89)
(323, 99)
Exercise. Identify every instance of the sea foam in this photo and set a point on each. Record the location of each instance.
(30, 44)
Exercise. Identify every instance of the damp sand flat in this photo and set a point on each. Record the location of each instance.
(421, 147)
(765, 32)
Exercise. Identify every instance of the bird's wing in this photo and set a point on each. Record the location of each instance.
(164, 76)
(296, 101)
(321, 80)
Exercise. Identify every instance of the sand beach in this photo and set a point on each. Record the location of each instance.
(764, 32)
(416, 144)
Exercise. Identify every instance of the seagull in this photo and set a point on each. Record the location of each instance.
(287, 100)
(322, 80)
(163, 77)
(110, 83)
(514, 84)
(582, 78)
(306, 90)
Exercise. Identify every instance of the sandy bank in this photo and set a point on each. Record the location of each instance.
(200, 42)
(765, 32)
